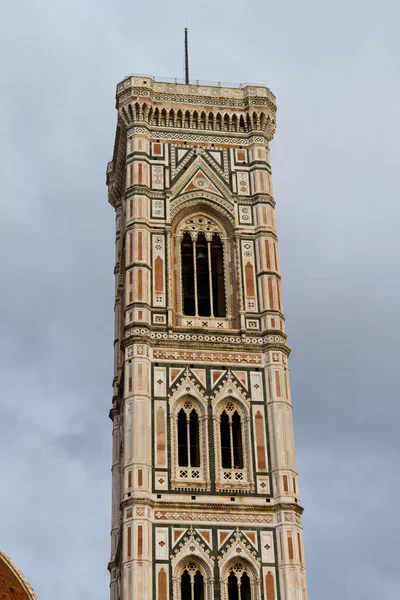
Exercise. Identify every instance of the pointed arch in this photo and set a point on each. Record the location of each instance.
(226, 122)
(171, 118)
(223, 258)
(179, 118)
(249, 280)
(211, 120)
(187, 119)
(269, 586)
(195, 120)
(242, 126)
(137, 111)
(125, 115)
(163, 118)
(239, 571)
(234, 123)
(189, 446)
(130, 111)
(193, 561)
(233, 456)
(156, 117)
(162, 584)
(218, 122)
(248, 122)
(203, 120)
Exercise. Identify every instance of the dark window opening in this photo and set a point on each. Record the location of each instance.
(245, 587)
(203, 277)
(225, 442)
(186, 588)
(188, 439)
(237, 441)
(231, 441)
(233, 590)
(194, 440)
(239, 588)
(199, 586)
(188, 275)
(183, 458)
(189, 593)
(218, 284)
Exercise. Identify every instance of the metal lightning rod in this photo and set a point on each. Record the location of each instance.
(186, 57)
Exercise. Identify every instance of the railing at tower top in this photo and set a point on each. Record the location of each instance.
(179, 81)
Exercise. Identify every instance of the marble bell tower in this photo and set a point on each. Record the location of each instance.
(205, 495)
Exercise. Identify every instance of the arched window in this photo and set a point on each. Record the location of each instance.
(233, 455)
(187, 119)
(239, 583)
(188, 437)
(203, 276)
(231, 438)
(192, 583)
(226, 123)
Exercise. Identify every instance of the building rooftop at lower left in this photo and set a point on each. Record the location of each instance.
(13, 585)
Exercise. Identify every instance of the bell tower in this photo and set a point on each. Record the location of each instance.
(205, 497)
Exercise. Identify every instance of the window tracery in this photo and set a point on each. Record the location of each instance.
(203, 279)
(239, 583)
(189, 431)
(192, 578)
(240, 580)
(233, 461)
(192, 583)
(188, 436)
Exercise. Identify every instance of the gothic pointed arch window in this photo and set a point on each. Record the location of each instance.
(238, 585)
(203, 277)
(192, 583)
(189, 432)
(192, 577)
(231, 438)
(188, 437)
(233, 460)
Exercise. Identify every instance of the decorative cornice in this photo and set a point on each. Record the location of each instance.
(190, 341)
(199, 93)
(179, 134)
(210, 506)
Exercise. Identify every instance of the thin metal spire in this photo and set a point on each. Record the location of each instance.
(186, 57)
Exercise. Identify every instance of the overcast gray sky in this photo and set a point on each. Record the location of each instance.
(334, 67)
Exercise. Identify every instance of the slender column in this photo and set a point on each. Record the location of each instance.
(195, 279)
(210, 278)
(188, 438)
(192, 587)
(231, 442)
